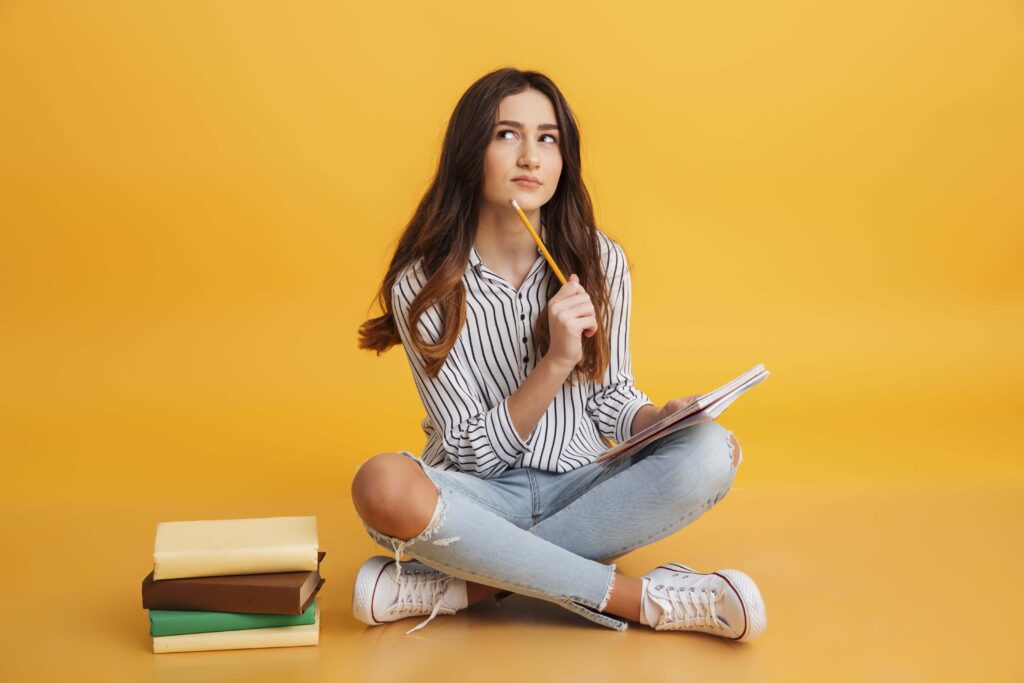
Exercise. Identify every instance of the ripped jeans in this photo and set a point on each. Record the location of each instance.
(546, 535)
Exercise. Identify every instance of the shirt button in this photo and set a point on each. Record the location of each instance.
(526, 359)
(522, 317)
(524, 339)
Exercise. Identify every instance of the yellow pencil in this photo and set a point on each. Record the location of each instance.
(536, 238)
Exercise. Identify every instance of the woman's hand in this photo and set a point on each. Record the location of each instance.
(674, 406)
(648, 415)
(570, 314)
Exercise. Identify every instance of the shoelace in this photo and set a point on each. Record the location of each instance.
(416, 590)
(690, 605)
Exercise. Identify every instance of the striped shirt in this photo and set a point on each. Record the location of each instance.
(468, 426)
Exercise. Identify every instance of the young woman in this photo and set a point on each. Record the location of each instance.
(524, 382)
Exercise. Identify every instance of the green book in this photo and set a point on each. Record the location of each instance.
(167, 622)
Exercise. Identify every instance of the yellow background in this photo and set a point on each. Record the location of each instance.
(199, 200)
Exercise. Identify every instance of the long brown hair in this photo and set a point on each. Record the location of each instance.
(442, 230)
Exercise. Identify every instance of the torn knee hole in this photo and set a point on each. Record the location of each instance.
(399, 545)
(735, 451)
(447, 541)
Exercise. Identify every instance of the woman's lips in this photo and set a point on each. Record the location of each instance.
(526, 183)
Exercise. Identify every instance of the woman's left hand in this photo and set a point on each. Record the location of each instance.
(646, 417)
(674, 406)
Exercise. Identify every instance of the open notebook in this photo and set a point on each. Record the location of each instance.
(706, 407)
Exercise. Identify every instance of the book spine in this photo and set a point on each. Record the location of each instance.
(234, 640)
(182, 564)
(175, 622)
(248, 599)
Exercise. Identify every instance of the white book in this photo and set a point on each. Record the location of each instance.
(706, 407)
(221, 547)
(277, 636)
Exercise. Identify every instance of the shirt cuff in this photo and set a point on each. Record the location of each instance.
(624, 425)
(505, 440)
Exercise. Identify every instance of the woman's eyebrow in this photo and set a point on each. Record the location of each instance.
(516, 124)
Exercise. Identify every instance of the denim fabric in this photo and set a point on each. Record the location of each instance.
(549, 535)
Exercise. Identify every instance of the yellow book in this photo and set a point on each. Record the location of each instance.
(221, 547)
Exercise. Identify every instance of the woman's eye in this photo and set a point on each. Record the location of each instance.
(501, 134)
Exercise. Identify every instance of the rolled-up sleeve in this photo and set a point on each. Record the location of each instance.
(616, 400)
(477, 439)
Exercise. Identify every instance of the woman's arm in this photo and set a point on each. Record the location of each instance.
(616, 400)
(530, 401)
(477, 439)
(486, 441)
(570, 314)
(644, 418)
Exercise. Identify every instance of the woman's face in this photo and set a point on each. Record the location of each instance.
(524, 144)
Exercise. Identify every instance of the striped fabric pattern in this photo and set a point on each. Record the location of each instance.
(468, 426)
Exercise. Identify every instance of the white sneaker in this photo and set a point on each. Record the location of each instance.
(384, 592)
(725, 603)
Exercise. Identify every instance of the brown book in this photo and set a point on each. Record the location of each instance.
(280, 593)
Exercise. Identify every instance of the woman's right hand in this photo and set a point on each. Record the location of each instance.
(570, 314)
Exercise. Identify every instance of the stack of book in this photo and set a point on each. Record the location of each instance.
(231, 584)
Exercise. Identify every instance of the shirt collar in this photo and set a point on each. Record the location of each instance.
(474, 259)
(477, 264)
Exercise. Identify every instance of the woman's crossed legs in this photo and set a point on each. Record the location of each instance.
(555, 553)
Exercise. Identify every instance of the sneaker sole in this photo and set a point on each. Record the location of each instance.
(365, 587)
(750, 598)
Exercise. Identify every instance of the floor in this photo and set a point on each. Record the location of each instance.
(199, 199)
(862, 583)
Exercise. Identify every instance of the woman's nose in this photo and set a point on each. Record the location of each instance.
(528, 154)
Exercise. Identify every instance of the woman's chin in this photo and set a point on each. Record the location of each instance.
(526, 202)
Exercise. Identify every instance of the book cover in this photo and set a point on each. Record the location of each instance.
(175, 622)
(219, 547)
(273, 593)
(277, 636)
